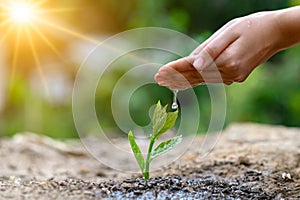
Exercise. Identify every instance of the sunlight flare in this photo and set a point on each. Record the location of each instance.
(25, 26)
(21, 12)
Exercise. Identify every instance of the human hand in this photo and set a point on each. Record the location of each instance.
(229, 55)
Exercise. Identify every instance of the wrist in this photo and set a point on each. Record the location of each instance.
(287, 23)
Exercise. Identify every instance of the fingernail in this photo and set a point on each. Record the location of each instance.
(198, 63)
(161, 83)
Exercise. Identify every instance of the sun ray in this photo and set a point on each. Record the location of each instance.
(6, 33)
(59, 10)
(36, 59)
(47, 41)
(38, 3)
(5, 22)
(68, 31)
(33, 25)
(88, 39)
(4, 6)
(15, 57)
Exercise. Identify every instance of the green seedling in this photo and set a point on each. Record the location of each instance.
(161, 122)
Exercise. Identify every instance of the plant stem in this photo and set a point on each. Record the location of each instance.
(147, 163)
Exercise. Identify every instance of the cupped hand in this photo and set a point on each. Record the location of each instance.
(228, 56)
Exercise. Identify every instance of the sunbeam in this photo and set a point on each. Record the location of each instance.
(19, 24)
(47, 41)
(6, 34)
(68, 31)
(88, 39)
(26, 16)
(36, 58)
(15, 57)
(56, 10)
(6, 22)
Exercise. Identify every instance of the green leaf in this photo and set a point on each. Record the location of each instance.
(170, 121)
(136, 151)
(165, 146)
(159, 118)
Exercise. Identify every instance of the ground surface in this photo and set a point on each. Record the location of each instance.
(250, 161)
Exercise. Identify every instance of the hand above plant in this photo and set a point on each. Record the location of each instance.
(235, 50)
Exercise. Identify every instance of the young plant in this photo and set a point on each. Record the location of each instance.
(161, 122)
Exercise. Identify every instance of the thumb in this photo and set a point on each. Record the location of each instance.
(202, 60)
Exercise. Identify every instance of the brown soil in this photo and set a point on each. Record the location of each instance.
(249, 161)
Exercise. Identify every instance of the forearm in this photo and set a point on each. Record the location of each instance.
(288, 22)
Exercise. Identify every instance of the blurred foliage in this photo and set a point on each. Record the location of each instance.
(270, 95)
(28, 110)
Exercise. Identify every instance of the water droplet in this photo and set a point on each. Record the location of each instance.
(174, 104)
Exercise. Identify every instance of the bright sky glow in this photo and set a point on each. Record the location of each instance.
(27, 21)
(21, 12)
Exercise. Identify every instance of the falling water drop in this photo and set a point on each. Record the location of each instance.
(174, 104)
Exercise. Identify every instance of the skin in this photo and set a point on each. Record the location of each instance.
(235, 50)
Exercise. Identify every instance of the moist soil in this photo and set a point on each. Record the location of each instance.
(250, 161)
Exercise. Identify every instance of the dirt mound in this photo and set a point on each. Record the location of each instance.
(249, 161)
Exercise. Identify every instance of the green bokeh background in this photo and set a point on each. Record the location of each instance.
(270, 95)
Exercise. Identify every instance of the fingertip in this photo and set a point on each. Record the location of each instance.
(162, 84)
(159, 82)
(228, 82)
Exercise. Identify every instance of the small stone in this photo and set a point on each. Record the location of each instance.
(286, 176)
(84, 170)
(87, 192)
(115, 188)
(127, 185)
(14, 180)
(243, 160)
(174, 188)
(141, 187)
(42, 183)
(11, 179)
(105, 190)
(137, 192)
(128, 181)
(100, 174)
(17, 181)
(62, 183)
(53, 184)
(149, 184)
(188, 189)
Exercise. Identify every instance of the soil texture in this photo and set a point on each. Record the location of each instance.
(250, 161)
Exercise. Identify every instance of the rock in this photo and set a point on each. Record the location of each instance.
(127, 185)
(286, 176)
